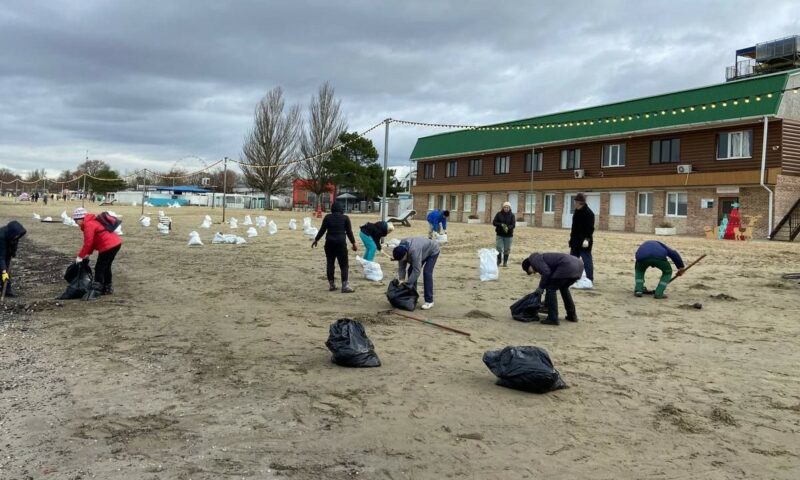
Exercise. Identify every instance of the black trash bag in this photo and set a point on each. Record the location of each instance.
(402, 297)
(526, 309)
(79, 277)
(524, 368)
(350, 346)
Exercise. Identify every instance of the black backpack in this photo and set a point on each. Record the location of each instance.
(110, 222)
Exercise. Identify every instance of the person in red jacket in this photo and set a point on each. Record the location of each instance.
(107, 244)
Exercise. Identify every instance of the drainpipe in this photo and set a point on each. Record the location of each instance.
(763, 175)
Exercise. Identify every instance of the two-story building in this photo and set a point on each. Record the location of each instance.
(684, 158)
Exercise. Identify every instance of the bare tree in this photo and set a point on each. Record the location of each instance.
(325, 124)
(271, 145)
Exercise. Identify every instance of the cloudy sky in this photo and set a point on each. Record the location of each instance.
(152, 83)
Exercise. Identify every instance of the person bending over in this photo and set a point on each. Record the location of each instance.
(558, 272)
(417, 255)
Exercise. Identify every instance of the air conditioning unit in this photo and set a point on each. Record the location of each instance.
(205, 181)
(579, 173)
(684, 169)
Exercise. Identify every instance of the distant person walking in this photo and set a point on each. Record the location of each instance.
(654, 254)
(9, 240)
(437, 222)
(97, 237)
(371, 235)
(558, 271)
(338, 229)
(581, 235)
(504, 223)
(415, 256)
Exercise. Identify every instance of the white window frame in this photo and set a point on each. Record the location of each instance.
(611, 197)
(467, 202)
(453, 202)
(677, 204)
(530, 203)
(537, 159)
(432, 170)
(742, 134)
(648, 204)
(552, 203)
(431, 201)
(451, 164)
(502, 165)
(614, 155)
(472, 171)
(576, 164)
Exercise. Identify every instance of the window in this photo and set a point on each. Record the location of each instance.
(430, 170)
(571, 159)
(467, 202)
(476, 167)
(677, 204)
(616, 204)
(665, 151)
(431, 201)
(502, 165)
(549, 203)
(534, 159)
(452, 168)
(645, 203)
(735, 145)
(530, 203)
(614, 155)
(454, 202)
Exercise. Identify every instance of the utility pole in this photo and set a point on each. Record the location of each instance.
(83, 195)
(144, 189)
(384, 205)
(533, 167)
(224, 186)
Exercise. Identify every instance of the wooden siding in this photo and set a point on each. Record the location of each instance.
(698, 148)
(790, 150)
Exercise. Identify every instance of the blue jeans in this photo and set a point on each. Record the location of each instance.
(369, 246)
(427, 277)
(584, 254)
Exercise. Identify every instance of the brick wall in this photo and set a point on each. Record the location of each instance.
(630, 211)
(787, 191)
(615, 223)
(754, 202)
(644, 224)
(603, 213)
(559, 206)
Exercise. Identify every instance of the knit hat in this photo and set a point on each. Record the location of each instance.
(580, 198)
(399, 252)
(79, 213)
(526, 264)
(507, 204)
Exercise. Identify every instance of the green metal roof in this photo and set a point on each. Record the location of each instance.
(751, 97)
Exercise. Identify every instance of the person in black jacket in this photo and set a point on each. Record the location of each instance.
(504, 223)
(580, 237)
(371, 235)
(558, 271)
(9, 239)
(337, 225)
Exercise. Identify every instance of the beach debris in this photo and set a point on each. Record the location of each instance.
(233, 223)
(350, 346)
(372, 270)
(526, 309)
(272, 228)
(144, 221)
(402, 296)
(292, 224)
(194, 238)
(488, 264)
(252, 232)
(526, 368)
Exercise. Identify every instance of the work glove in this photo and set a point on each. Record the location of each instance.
(5, 276)
(314, 244)
(505, 228)
(585, 243)
(78, 259)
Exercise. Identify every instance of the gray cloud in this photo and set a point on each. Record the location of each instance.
(148, 83)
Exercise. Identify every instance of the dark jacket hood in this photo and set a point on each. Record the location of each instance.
(337, 208)
(15, 230)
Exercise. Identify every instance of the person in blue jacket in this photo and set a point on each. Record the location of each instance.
(437, 222)
(653, 253)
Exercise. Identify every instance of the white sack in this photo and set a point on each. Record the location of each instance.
(228, 238)
(163, 229)
(233, 223)
(440, 237)
(240, 240)
(252, 232)
(144, 221)
(306, 222)
(48, 219)
(247, 220)
(36, 216)
(64, 215)
(261, 221)
(194, 239)
(583, 284)
(119, 231)
(70, 222)
(372, 270)
(293, 224)
(311, 232)
(393, 242)
(489, 270)
(273, 228)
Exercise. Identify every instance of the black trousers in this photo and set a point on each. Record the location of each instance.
(336, 251)
(102, 271)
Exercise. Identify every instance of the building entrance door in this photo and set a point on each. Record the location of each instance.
(592, 200)
(513, 199)
(724, 207)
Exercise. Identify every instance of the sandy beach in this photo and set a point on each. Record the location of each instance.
(210, 362)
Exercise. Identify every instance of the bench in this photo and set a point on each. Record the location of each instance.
(405, 220)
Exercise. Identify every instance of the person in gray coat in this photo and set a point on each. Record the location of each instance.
(558, 272)
(415, 255)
